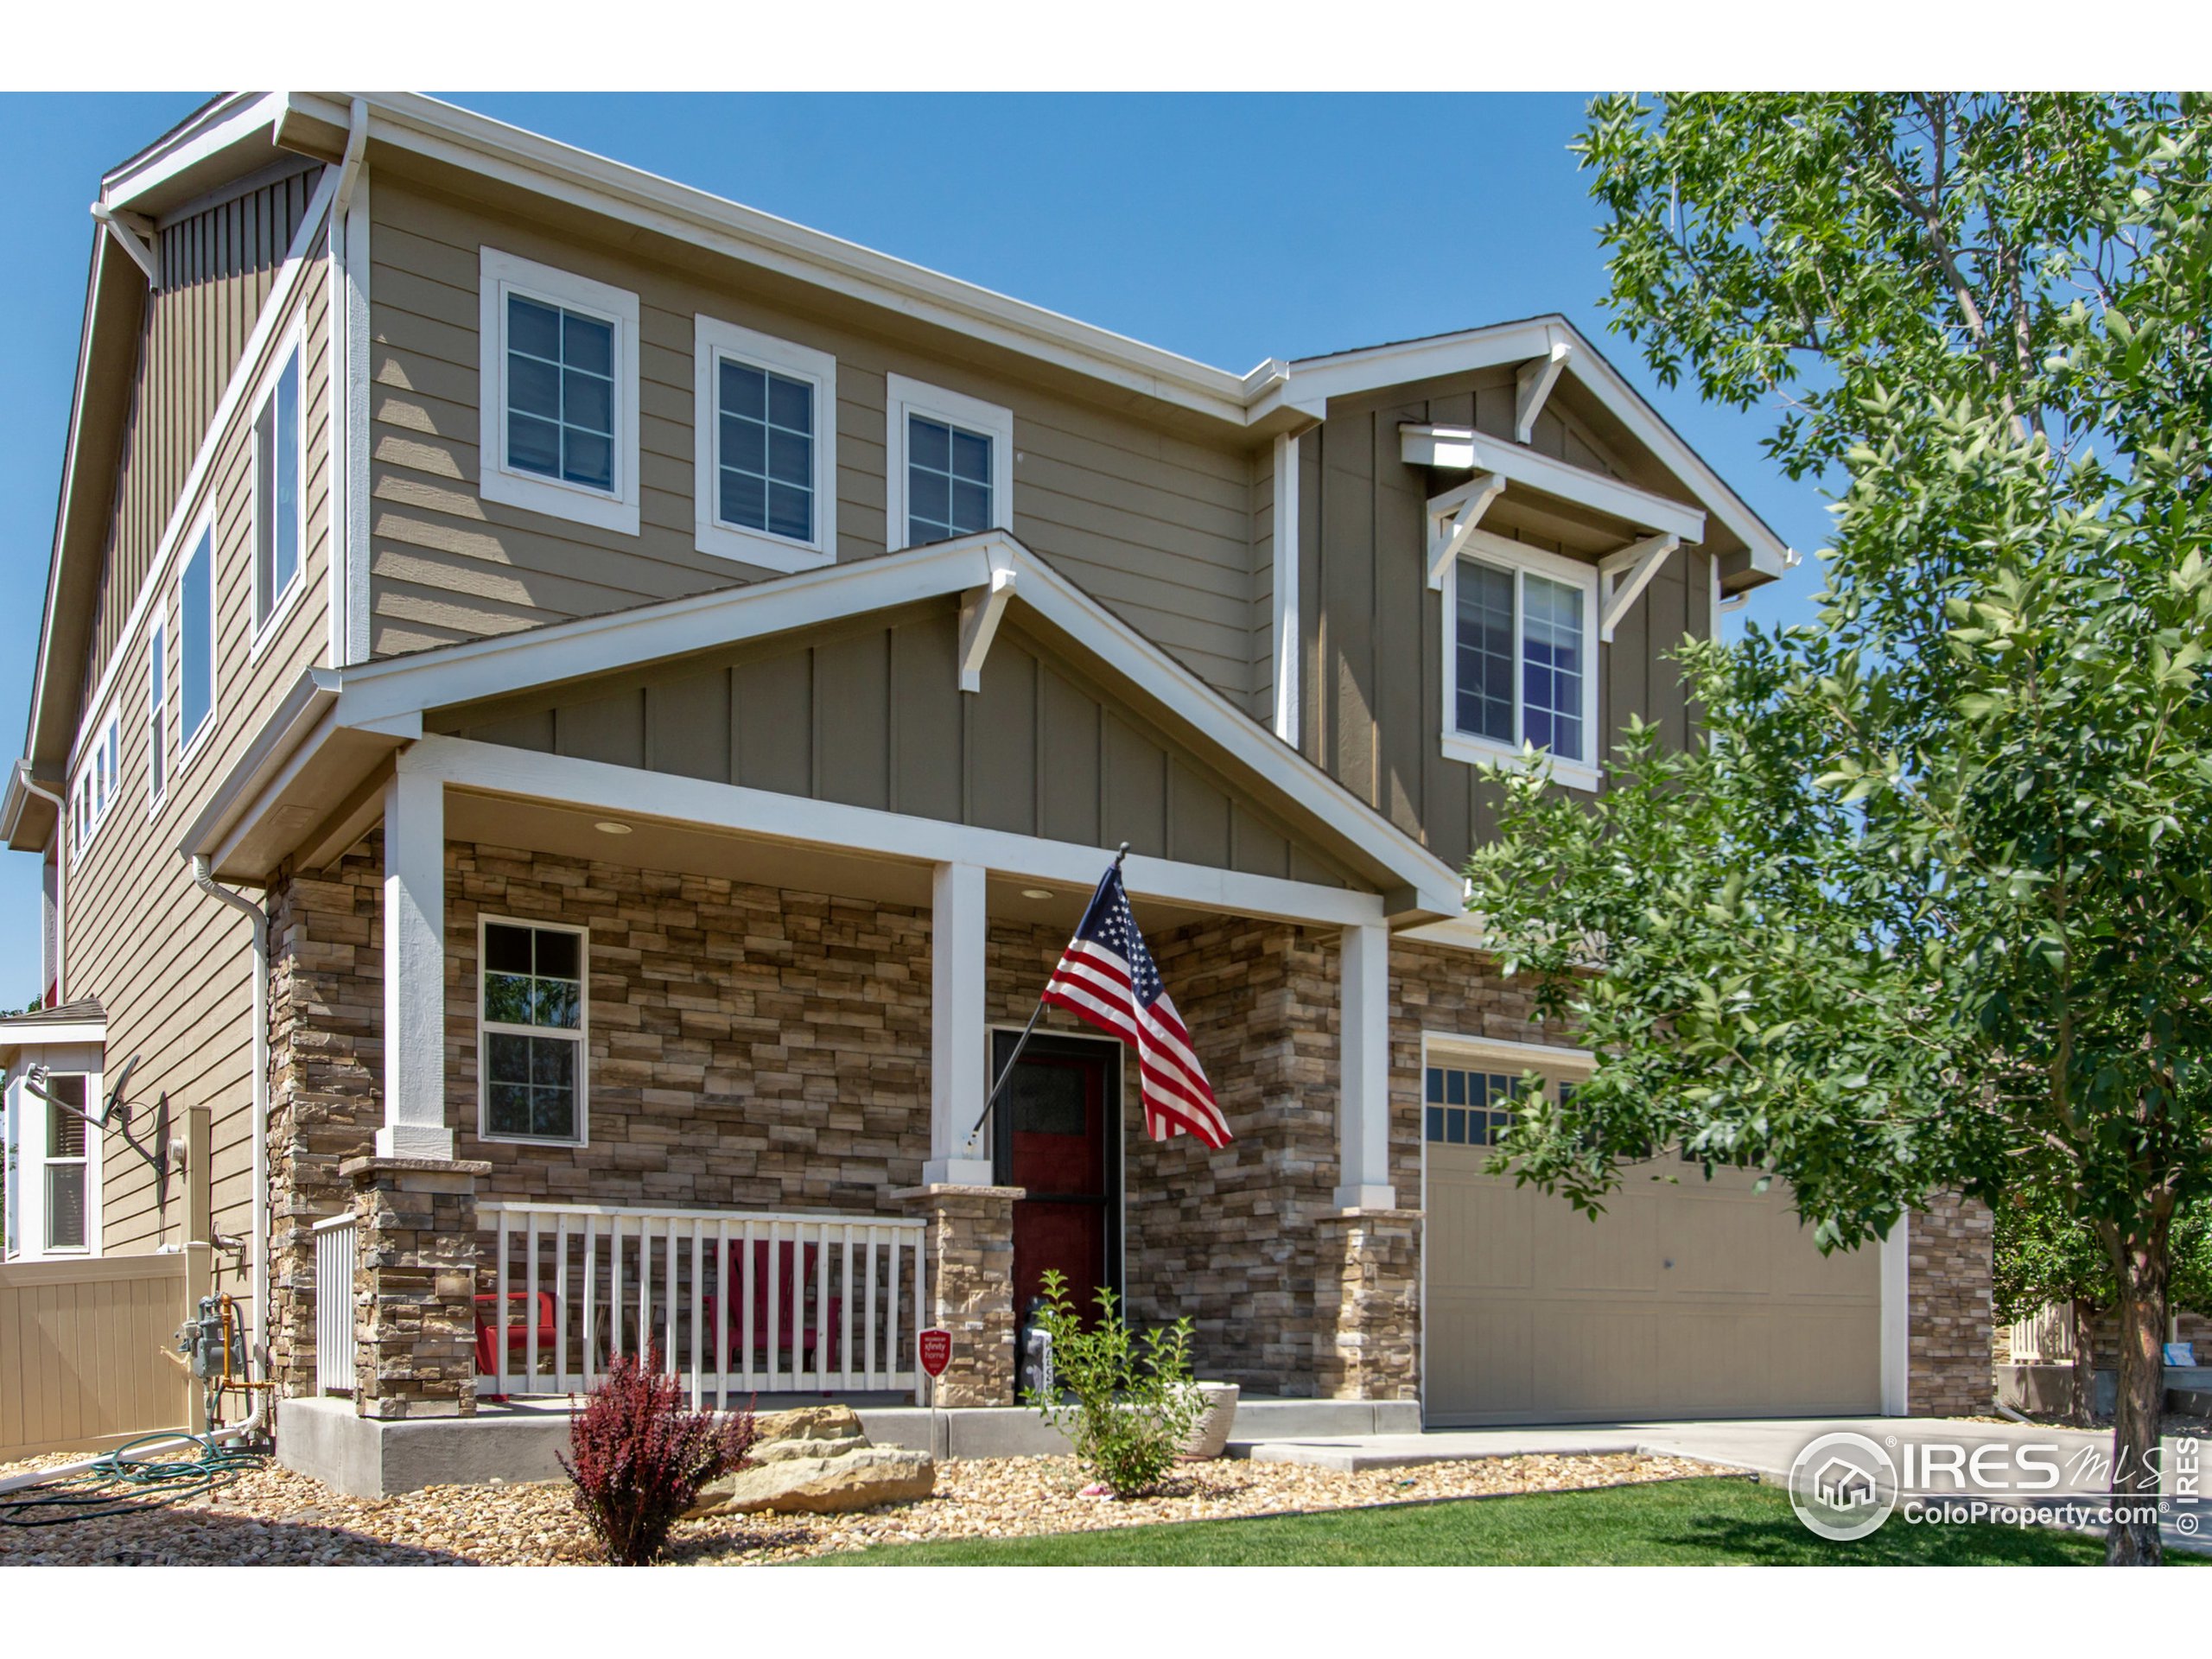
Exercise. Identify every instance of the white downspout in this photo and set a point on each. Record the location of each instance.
(61, 876)
(203, 874)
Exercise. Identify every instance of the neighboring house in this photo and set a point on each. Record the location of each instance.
(669, 679)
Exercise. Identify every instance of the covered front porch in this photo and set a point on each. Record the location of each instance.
(598, 946)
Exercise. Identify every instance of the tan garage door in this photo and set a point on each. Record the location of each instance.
(1683, 1300)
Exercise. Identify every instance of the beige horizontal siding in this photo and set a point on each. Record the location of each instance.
(1154, 524)
(173, 966)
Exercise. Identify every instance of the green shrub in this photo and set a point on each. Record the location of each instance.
(1130, 1406)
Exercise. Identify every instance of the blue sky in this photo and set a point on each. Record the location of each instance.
(1228, 228)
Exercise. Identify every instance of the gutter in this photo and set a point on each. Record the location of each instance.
(20, 783)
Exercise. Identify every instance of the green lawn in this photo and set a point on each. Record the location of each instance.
(1685, 1522)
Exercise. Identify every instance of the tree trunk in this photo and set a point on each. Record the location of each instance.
(2132, 1538)
(2083, 1413)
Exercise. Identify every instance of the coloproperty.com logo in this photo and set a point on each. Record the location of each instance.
(1845, 1484)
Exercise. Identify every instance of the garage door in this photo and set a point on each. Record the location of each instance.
(1685, 1299)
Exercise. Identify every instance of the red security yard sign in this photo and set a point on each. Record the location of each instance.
(934, 1348)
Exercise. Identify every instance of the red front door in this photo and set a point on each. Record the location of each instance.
(1055, 1140)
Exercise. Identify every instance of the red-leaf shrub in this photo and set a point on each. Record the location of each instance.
(640, 1458)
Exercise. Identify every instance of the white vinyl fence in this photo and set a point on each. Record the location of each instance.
(735, 1303)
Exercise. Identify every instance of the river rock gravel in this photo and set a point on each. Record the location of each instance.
(271, 1516)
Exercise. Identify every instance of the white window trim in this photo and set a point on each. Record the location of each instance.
(101, 760)
(500, 275)
(281, 602)
(157, 714)
(188, 748)
(902, 397)
(27, 1161)
(582, 1037)
(716, 339)
(1462, 746)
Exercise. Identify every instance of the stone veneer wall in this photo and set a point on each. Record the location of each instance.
(749, 1046)
(326, 1061)
(1948, 1254)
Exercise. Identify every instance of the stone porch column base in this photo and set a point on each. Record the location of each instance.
(1368, 1299)
(415, 1286)
(970, 1256)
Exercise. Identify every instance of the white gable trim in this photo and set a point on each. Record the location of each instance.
(384, 695)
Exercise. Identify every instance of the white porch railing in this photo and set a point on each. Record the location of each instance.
(737, 1303)
(2045, 1337)
(334, 1306)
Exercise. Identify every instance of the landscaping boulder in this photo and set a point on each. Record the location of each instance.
(817, 1460)
(859, 1479)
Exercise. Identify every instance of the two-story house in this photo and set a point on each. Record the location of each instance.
(578, 717)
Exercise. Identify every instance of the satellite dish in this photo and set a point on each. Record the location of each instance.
(114, 1108)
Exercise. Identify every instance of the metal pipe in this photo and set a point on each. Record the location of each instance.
(203, 875)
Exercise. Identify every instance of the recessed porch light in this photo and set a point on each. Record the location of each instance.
(1036, 892)
(612, 826)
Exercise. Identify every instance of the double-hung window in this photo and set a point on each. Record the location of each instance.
(532, 1031)
(765, 453)
(1521, 658)
(558, 358)
(279, 504)
(157, 709)
(195, 634)
(950, 464)
(66, 1186)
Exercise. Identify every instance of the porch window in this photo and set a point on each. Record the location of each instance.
(1521, 659)
(950, 464)
(65, 1163)
(532, 1031)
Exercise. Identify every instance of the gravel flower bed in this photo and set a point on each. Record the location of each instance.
(272, 1516)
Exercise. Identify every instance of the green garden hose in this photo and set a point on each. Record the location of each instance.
(120, 1485)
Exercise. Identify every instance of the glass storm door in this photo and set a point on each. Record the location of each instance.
(1055, 1136)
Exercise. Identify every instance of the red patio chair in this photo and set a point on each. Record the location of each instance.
(549, 1330)
(830, 1313)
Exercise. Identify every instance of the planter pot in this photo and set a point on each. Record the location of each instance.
(1212, 1434)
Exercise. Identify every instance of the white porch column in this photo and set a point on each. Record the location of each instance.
(414, 968)
(958, 1075)
(1363, 1071)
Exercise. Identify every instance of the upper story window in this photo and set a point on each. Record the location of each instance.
(279, 503)
(99, 778)
(195, 634)
(157, 710)
(531, 1031)
(1521, 658)
(765, 460)
(950, 464)
(559, 356)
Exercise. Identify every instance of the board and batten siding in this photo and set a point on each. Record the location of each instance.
(218, 264)
(173, 966)
(1155, 526)
(1372, 631)
(869, 713)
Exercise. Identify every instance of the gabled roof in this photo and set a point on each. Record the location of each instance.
(238, 133)
(384, 701)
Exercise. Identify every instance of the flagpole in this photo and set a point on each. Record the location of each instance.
(1014, 1058)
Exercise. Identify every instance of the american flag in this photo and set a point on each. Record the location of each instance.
(1106, 977)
